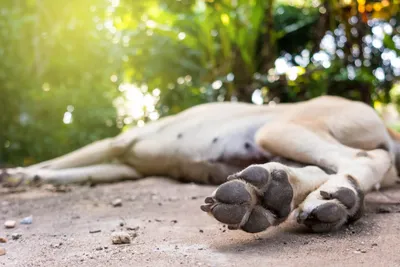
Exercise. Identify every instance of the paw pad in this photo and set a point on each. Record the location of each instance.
(252, 200)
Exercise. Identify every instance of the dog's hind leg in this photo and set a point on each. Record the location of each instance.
(100, 173)
(104, 150)
(94, 153)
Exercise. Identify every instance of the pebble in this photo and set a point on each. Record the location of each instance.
(2, 251)
(27, 220)
(132, 228)
(3, 240)
(117, 202)
(120, 238)
(15, 236)
(360, 251)
(56, 245)
(10, 224)
(94, 231)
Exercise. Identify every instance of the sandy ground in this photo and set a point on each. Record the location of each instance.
(174, 232)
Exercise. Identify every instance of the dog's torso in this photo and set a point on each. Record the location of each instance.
(206, 143)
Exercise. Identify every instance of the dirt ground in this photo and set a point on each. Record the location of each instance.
(174, 232)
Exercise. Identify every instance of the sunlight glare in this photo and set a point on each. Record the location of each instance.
(46, 87)
(156, 92)
(115, 3)
(216, 85)
(181, 35)
(151, 24)
(136, 103)
(257, 97)
(67, 118)
(281, 65)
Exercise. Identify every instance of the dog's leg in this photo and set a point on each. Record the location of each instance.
(93, 174)
(341, 198)
(104, 150)
(95, 153)
(258, 199)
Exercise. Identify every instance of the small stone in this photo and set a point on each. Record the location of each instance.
(99, 248)
(358, 251)
(121, 224)
(10, 224)
(3, 240)
(132, 228)
(117, 202)
(120, 238)
(15, 236)
(201, 231)
(133, 235)
(27, 220)
(56, 245)
(2, 251)
(94, 231)
(374, 245)
(174, 221)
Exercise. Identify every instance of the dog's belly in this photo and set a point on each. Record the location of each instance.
(204, 150)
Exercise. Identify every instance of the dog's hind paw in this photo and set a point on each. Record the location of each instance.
(253, 199)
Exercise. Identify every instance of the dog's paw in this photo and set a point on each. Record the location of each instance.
(330, 207)
(17, 177)
(253, 199)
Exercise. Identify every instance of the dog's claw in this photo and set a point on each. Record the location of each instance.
(206, 208)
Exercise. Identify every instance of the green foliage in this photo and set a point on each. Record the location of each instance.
(72, 72)
(54, 58)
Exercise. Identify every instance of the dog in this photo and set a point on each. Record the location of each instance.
(314, 159)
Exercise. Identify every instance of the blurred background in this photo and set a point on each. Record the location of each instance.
(75, 71)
